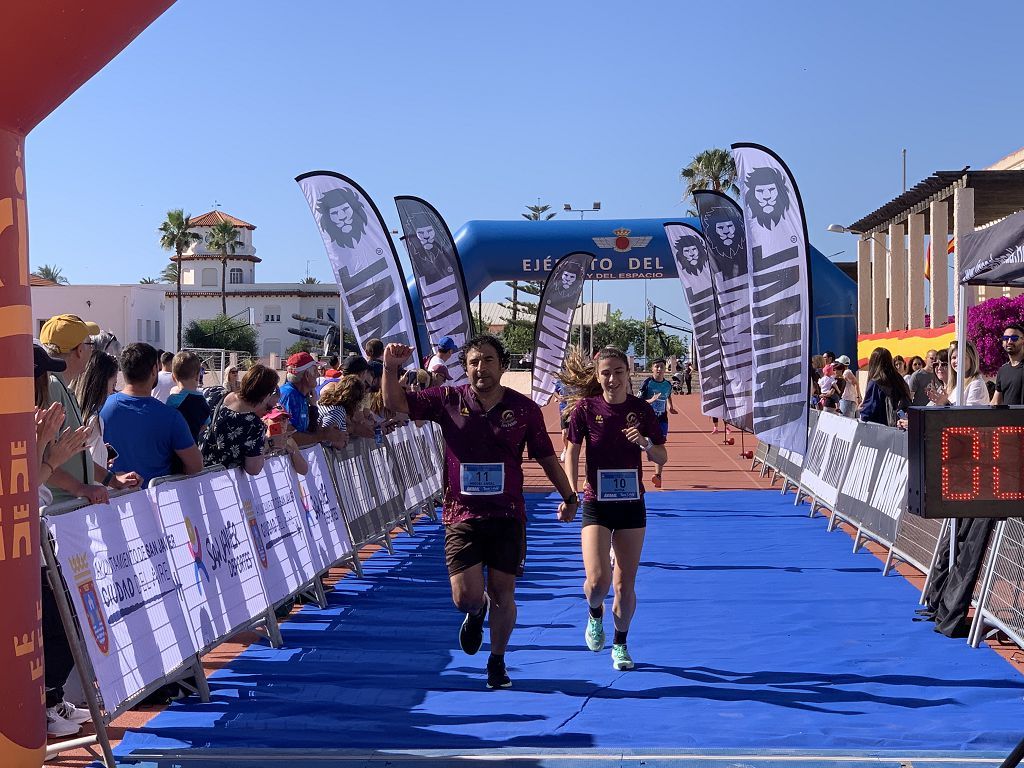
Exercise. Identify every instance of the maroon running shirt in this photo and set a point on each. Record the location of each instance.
(600, 423)
(475, 437)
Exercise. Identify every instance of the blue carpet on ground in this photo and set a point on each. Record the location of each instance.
(755, 630)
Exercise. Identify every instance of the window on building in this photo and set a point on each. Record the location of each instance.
(330, 315)
(188, 277)
(149, 330)
(156, 333)
(272, 314)
(210, 276)
(236, 276)
(138, 330)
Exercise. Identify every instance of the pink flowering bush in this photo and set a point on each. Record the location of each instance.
(985, 325)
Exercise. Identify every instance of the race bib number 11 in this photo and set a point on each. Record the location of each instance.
(482, 479)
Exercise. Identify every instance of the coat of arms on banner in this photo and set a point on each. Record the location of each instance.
(91, 602)
(254, 530)
(195, 549)
(622, 242)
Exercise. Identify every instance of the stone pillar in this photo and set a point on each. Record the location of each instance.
(879, 294)
(23, 726)
(864, 318)
(963, 223)
(915, 271)
(938, 283)
(897, 278)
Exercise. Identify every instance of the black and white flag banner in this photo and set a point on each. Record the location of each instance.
(722, 223)
(780, 301)
(438, 273)
(364, 259)
(690, 251)
(555, 312)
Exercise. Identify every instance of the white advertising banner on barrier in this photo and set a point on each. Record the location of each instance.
(274, 522)
(213, 554)
(827, 457)
(115, 562)
(325, 525)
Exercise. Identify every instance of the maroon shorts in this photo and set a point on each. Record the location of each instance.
(496, 542)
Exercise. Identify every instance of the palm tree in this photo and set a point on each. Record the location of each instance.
(51, 273)
(223, 237)
(309, 280)
(148, 281)
(711, 169)
(169, 274)
(175, 235)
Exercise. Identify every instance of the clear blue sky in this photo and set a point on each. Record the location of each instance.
(484, 108)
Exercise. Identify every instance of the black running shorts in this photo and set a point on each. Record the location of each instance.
(615, 515)
(496, 542)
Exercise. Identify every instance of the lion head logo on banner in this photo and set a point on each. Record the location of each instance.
(429, 249)
(767, 196)
(725, 228)
(693, 256)
(342, 216)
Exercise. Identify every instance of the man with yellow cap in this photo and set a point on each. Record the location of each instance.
(69, 338)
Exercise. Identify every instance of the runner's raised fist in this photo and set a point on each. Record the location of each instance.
(396, 354)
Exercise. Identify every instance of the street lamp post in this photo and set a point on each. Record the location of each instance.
(567, 207)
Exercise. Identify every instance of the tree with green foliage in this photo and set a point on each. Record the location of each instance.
(309, 280)
(169, 274)
(223, 238)
(149, 281)
(711, 169)
(222, 332)
(176, 235)
(52, 273)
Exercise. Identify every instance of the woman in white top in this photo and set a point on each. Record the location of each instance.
(975, 391)
(92, 389)
(851, 398)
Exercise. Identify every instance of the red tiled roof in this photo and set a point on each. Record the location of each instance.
(38, 281)
(212, 218)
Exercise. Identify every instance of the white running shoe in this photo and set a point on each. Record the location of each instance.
(57, 725)
(594, 634)
(69, 711)
(621, 660)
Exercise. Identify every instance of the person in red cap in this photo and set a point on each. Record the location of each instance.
(439, 375)
(300, 384)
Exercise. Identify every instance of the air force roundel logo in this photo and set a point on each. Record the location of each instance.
(622, 242)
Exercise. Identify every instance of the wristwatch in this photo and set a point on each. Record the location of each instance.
(574, 499)
(650, 444)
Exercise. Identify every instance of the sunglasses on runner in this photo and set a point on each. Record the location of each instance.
(1015, 337)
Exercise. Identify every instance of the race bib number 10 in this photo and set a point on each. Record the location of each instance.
(482, 479)
(617, 485)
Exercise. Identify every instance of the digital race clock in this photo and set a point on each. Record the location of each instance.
(966, 462)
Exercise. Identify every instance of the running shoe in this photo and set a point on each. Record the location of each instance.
(471, 634)
(595, 634)
(714, 431)
(69, 711)
(58, 725)
(621, 660)
(656, 480)
(561, 456)
(497, 674)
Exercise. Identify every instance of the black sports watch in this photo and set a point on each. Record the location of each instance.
(574, 499)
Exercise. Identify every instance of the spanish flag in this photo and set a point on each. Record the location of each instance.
(928, 259)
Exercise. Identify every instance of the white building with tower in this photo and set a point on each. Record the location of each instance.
(136, 312)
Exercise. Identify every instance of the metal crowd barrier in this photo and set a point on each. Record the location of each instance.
(378, 488)
(869, 492)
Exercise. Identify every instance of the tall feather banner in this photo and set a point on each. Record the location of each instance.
(721, 220)
(555, 311)
(364, 258)
(690, 251)
(438, 272)
(780, 295)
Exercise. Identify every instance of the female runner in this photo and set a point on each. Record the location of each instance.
(617, 428)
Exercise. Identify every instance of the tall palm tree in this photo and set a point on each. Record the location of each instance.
(309, 280)
(148, 281)
(169, 274)
(175, 235)
(711, 169)
(51, 273)
(223, 237)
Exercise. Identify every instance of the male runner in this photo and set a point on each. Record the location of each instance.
(657, 390)
(485, 428)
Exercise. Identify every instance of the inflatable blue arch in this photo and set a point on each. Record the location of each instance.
(625, 249)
